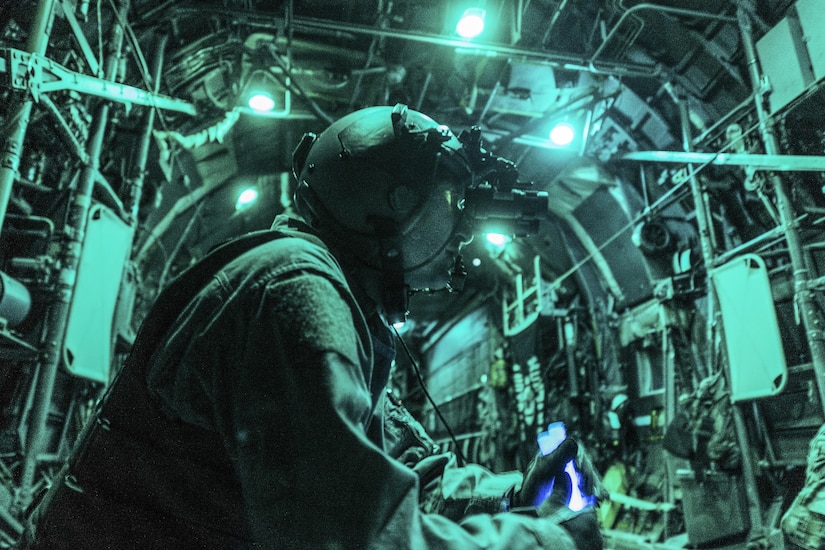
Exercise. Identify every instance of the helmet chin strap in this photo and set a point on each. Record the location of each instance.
(395, 291)
(458, 275)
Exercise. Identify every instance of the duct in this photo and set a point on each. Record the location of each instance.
(215, 133)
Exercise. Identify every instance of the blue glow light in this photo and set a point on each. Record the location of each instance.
(578, 500)
(549, 442)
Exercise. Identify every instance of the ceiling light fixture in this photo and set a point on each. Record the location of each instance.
(497, 239)
(264, 95)
(247, 197)
(471, 23)
(562, 134)
(261, 102)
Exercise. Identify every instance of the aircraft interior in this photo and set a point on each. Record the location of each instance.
(668, 306)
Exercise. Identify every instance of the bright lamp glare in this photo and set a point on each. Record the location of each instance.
(261, 102)
(497, 239)
(246, 198)
(562, 134)
(471, 23)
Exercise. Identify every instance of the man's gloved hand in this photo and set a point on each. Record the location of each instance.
(591, 480)
(541, 471)
(552, 500)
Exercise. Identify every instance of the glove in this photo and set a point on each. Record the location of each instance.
(591, 480)
(542, 474)
(546, 484)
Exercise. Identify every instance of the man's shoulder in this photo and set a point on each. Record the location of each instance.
(280, 252)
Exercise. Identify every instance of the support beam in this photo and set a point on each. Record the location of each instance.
(774, 161)
(41, 75)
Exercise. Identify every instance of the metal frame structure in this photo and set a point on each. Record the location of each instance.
(32, 76)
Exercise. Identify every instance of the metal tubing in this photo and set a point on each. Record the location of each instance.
(567, 62)
(338, 28)
(780, 163)
(708, 244)
(58, 314)
(703, 219)
(811, 319)
(757, 530)
(139, 167)
(17, 121)
(77, 31)
(656, 7)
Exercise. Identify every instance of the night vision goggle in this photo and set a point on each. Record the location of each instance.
(494, 197)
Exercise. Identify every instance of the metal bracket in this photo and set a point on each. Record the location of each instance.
(41, 75)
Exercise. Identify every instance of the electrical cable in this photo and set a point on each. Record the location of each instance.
(461, 460)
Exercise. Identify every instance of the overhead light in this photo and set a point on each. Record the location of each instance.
(496, 243)
(471, 23)
(562, 134)
(261, 102)
(497, 239)
(246, 199)
(264, 95)
(476, 262)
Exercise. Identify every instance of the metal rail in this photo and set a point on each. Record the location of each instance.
(40, 75)
(773, 161)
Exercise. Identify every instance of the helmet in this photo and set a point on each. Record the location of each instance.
(386, 186)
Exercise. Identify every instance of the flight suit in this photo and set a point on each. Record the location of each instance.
(255, 419)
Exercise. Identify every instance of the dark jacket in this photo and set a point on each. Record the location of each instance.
(257, 422)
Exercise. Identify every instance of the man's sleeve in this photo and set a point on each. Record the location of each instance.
(292, 408)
